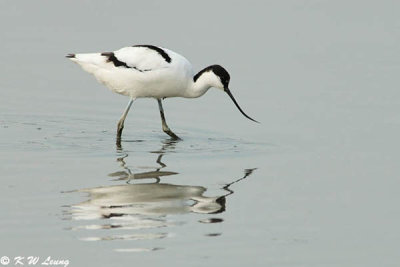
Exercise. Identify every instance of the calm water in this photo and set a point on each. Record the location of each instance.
(315, 184)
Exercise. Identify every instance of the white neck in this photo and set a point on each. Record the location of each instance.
(202, 84)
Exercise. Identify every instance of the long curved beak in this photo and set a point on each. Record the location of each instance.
(237, 105)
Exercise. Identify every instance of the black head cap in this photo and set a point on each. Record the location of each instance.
(222, 74)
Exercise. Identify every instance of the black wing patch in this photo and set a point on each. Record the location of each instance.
(112, 58)
(117, 63)
(158, 50)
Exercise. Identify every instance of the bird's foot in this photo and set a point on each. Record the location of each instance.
(119, 134)
(120, 127)
(118, 144)
(171, 134)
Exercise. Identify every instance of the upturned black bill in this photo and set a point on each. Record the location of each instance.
(237, 105)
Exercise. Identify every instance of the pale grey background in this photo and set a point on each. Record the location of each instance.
(321, 77)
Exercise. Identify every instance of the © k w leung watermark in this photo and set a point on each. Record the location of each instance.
(32, 260)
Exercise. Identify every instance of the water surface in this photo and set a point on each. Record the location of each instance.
(315, 184)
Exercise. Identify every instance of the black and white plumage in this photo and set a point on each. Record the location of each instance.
(150, 71)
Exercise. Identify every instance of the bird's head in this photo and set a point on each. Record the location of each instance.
(219, 77)
(222, 77)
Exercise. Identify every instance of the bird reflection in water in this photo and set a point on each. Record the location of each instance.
(137, 205)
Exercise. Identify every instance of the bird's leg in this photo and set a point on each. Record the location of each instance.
(165, 127)
(120, 126)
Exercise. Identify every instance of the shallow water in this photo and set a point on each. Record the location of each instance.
(315, 184)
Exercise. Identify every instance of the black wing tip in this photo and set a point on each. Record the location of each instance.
(107, 54)
(70, 56)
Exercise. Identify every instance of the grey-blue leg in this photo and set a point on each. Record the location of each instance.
(165, 127)
(121, 121)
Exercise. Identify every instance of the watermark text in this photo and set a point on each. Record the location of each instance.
(32, 260)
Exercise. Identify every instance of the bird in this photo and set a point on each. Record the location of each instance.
(149, 71)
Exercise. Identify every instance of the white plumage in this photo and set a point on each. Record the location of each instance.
(150, 71)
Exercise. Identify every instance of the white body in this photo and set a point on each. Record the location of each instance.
(148, 74)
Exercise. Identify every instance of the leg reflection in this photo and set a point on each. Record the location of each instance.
(150, 204)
